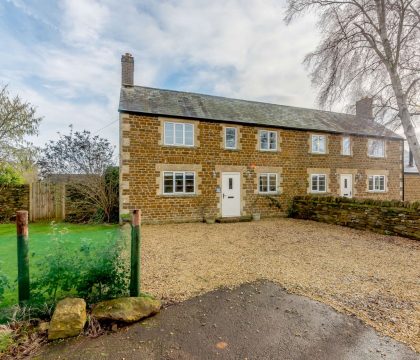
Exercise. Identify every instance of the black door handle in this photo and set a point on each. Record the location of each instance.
(230, 197)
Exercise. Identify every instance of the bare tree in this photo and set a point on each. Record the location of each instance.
(85, 162)
(370, 48)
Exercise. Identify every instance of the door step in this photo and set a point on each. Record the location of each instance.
(234, 219)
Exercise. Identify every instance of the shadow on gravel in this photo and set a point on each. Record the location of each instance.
(254, 321)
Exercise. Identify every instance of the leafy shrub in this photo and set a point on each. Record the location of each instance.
(95, 271)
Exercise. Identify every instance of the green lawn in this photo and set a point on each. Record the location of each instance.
(39, 246)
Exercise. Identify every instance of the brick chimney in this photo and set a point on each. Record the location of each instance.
(364, 108)
(127, 70)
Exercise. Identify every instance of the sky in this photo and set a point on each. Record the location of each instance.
(64, 56)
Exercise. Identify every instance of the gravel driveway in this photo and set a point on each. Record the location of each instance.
(374, 277)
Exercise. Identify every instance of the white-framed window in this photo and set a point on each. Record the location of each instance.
(178, 182)
(346, 146)
(376, 148)
(318, 144)
(231, 137)
(268, 140)
(318, 183)
(376, 183)
(179, 134)
(267, 183)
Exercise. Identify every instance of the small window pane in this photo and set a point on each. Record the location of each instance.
(370, 183)
(179, 134)
(230, 183)
(168, 183)
(169, 133)
(189, 182)
(376, 147)
(321, 183)
(264, 140)
(273, 140)
(314, 183)
(346, 145)
(263, 183)
(382, 183)
(230, 138)
(189, 134)
(321, 140)
(273, 183)
(179, 182)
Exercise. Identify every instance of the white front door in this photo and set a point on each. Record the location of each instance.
(231, 194)
(346, 185)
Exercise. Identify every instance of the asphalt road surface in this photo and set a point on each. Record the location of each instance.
(255, 321)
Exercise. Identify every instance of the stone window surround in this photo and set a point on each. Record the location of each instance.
(318, 171)
(258, 146)
(238, 137)
(219, 169)
(380, 172)
(271, 170)
(161, 168)
(351, 145)
(376, 157)
(161, 131)
(327, 140)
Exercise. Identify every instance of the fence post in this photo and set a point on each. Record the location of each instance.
(135, 253)
(23, 255)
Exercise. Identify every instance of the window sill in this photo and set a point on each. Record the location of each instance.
(180, 146)
(317, 153)
(376, 157)
(231, 149)
(178, 195)
(377, 191)
(269, 151)
(269, 193)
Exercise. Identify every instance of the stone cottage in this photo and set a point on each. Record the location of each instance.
(187, 156)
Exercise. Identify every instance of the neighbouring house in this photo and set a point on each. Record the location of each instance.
(187, 156)
(411, 179)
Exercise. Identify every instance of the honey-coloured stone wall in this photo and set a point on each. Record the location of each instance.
(143, 157)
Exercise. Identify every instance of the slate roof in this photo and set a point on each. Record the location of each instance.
(146, 100)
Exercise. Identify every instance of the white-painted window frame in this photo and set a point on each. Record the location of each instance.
(374, 189)
(267, 175)
(269, 132)
(317, 191)
(174, 143)
(346, 151)
(235, 147)
(174, 173)
(315, 140)
(370, 148)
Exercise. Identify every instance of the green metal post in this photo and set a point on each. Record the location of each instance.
(22, 255)
(135, 253)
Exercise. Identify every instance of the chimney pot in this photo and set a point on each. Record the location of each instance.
(127, 70)
(364, 108)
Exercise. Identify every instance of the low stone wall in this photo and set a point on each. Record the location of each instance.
(412, 187)
(385, 217)
(13, 199)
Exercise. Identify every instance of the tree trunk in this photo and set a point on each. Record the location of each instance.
(405, 117)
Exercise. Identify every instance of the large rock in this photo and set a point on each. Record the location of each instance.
(68, 320)
(127, 309)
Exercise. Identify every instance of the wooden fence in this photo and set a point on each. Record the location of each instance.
(47, 201)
